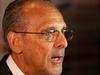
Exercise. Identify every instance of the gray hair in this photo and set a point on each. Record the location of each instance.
(13, 19)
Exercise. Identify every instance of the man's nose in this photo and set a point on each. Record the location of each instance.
(61, 42)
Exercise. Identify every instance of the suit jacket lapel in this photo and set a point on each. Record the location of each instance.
(4, 70)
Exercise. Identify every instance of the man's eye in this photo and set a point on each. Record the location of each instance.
(50, 31)
(64, 31)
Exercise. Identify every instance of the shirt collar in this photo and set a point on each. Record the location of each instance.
(13, 67)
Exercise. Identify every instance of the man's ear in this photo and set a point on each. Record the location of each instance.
(15, 42)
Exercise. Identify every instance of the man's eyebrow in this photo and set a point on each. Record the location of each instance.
(50, 28)
(53, 28)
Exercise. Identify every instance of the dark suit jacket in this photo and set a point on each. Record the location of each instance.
(4, 70)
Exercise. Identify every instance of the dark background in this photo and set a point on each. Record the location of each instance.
(83, 53)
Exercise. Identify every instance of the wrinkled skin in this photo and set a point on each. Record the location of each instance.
(31, 52)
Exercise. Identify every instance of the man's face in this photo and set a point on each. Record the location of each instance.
(42, 55)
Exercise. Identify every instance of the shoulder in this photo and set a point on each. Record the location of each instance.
(3, 61)
(4, 70)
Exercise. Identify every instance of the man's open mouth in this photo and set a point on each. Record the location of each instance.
(57, 59)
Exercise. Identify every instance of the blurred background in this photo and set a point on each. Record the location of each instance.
(83, 53)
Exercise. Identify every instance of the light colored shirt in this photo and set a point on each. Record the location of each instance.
(13, 67)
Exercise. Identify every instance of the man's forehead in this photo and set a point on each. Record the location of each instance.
(37, 10)
(48, 25)
(42, 15)
(37, 5)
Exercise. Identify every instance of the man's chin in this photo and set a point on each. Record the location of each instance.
(56, 71)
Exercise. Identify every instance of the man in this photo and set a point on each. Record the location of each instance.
(34, 32)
